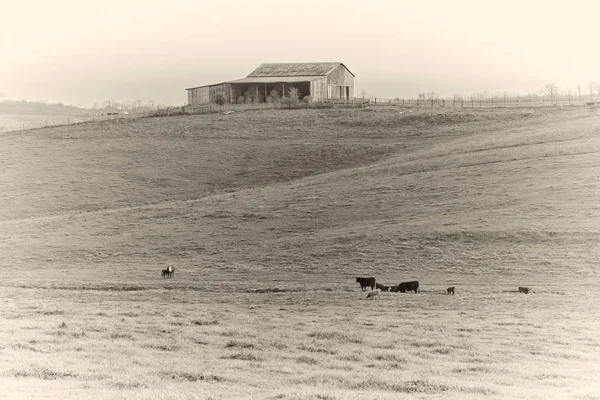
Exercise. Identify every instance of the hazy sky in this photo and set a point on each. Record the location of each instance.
(84, 51)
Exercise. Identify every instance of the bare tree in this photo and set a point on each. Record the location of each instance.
(457, 96)
(570, 93)
(432, 96)
(591, 87)
(579, 90)
(550, 91)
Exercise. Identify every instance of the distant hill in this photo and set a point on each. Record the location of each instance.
(17, 107)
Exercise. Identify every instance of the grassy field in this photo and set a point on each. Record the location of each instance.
(268, 217)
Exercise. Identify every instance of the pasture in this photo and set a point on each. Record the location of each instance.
(269, 217)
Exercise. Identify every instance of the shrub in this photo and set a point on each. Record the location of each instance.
(307, 99)
(294, 94)
(241, 100)
(220, 99)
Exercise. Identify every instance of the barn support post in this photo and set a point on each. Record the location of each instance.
(283, 90)
(265, 92)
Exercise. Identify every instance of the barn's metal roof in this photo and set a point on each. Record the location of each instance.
(275, 79)
(296, 69)
(210, 84)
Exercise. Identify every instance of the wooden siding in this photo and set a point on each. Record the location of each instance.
(224, 88)
(318, 89)
(341, 77)
(207, 94)
(198, 96)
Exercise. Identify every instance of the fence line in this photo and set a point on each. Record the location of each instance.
(483, 103)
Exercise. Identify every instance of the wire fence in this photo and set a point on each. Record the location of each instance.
(498, 102)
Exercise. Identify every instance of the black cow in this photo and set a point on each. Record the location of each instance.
(364, 282)
(164, 272)
(409, 286)
(524, 290)
(394, 288)
(450, 290)
(383, 288)
(171, 270)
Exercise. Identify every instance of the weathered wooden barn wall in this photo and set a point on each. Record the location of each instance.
(341, 84)
(207, 94)
(318, 89)
(223, 88)
(341, 77)
(198, 95)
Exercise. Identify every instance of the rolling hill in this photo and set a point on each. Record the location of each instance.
(262, 195)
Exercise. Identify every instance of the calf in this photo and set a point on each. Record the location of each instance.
(383, 288)
(373, 295)
(365, 282)
(450, 290)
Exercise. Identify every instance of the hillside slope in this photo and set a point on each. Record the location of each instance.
(264, 199)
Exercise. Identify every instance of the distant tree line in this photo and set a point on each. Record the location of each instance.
(549, 91)
(47, 108)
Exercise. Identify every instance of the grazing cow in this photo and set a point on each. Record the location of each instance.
(524, 290)
(450, 290)
(381, 287)
(364, 282)
(171, 270)
(394, 288)
(373, 295)
(409, 286)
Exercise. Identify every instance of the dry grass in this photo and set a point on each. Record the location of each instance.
(268, 216)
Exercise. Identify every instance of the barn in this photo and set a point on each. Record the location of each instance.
(320, 81)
